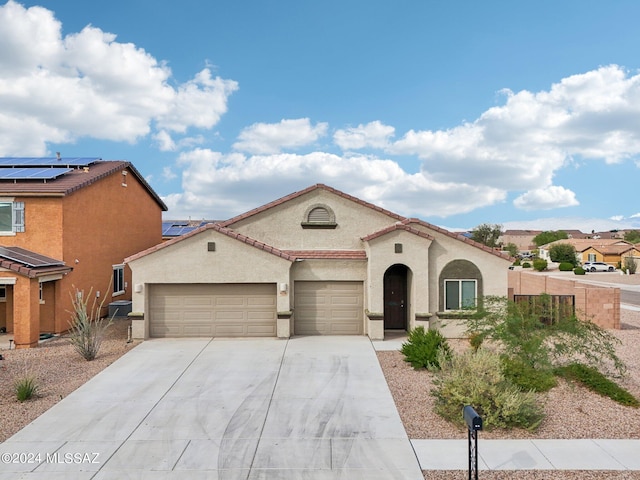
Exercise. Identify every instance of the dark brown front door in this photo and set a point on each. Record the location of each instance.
(395, 298)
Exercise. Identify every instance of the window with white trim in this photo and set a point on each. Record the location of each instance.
(118, 279)
(11, 216)
(460, 294)
(591, 257)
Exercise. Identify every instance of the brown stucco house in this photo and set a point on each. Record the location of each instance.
(68, 223)
(318, 261)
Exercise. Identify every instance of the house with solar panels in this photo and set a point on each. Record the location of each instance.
(67, 224)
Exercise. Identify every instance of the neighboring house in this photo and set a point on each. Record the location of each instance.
(584, 247)
(175, 228)
(611, 254)
(523, 239)
(318, 261)
(68, 223)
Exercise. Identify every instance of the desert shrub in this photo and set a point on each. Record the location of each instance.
(475, 340)
(519, 333)
(526, 265)
(578, 271)
(422, 348)
(565, 267)
(476, 378)
(540, 264)
(597, 382)
(516, 263)
(87, 328)
(526, 377)
(630, 265)
(25, 387)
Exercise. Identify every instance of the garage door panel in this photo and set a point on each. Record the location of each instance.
(328, 308)
(213, 310)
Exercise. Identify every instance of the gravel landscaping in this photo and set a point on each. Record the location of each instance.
(59, 370)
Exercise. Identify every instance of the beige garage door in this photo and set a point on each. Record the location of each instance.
(212, 310)
(328, 308)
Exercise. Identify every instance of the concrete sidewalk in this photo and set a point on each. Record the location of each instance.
(579, 454)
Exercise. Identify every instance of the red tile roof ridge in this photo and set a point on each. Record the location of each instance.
(329, 254)
(218, 228)
(460, 237)
(394, 227)
(297, 194)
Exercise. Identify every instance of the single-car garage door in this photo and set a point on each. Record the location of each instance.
(328, 308)
(212, 310)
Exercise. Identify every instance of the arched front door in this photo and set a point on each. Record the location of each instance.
(396, 301)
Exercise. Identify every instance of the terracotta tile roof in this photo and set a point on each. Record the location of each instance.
(397, 226)
(612, 249)
(328, 254)
(582, 244)
(460, 237)
(75, 180)
(291, 196)
(218, 228)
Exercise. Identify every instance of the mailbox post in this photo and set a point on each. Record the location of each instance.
(474, 424)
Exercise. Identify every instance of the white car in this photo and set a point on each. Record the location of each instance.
(598, 267)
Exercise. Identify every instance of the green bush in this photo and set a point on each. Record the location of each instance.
(540, 265)
(476, 379)
(597, 382)
(422, 348)
(527, 377)
(565, 267)
(526, 265)
(25, 388)
(516, 263)
(578, 271)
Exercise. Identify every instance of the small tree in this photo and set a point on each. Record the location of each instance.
(512, 248)
(563, 253)
(630, 264)
(487, 234)
(549, 236)
(632, 236)
(523, 335)
(87, 328)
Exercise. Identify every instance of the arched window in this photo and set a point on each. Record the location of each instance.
(319, 216)
(461, 286)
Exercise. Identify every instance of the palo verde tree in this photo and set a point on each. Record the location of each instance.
(487, 234)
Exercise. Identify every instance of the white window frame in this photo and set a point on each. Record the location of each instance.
(119, 285)
(17, 216)
(592, 257)
(3, 293)
(459, 281)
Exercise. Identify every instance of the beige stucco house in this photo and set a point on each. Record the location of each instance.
(318, 261)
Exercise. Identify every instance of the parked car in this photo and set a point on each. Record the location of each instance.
(598, 267)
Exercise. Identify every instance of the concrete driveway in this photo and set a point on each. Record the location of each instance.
(304, 408)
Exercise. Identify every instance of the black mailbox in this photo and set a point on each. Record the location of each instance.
(471, 418)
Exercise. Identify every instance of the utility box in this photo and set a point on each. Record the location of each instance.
(120, 308)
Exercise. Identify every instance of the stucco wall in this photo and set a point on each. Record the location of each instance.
(281, 225)
(600, 305)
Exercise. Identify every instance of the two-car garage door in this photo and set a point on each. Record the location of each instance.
(212, 310)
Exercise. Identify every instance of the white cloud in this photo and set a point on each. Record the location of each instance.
(211, 182)
(617, 218)
(270, 138)
(86, 84)
(546, 199)
(521, 144)
(164, 141)
(374, 134)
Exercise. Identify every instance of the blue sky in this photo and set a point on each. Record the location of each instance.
(525, 114)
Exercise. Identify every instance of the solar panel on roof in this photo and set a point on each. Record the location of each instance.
(28, 258)
(47, 161)
(7, 173)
